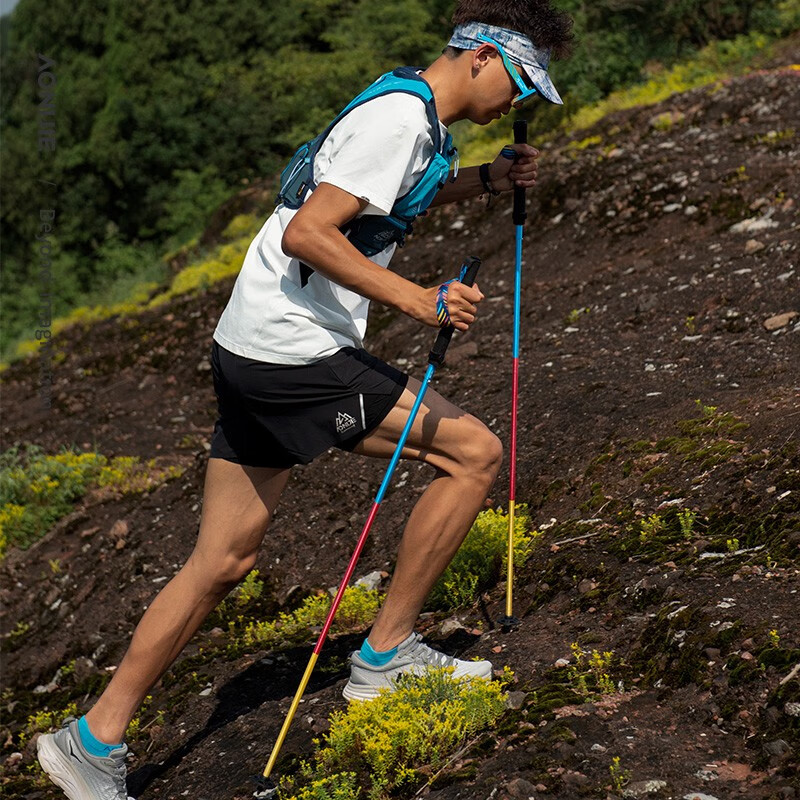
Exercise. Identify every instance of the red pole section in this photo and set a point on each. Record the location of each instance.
(346, 579)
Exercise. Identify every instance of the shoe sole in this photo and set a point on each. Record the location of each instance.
(60, 771)
(354, 691)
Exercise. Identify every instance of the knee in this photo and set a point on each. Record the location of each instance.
(229, 570)
(483, 452)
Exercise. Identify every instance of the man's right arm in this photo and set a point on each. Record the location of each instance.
(314, 237)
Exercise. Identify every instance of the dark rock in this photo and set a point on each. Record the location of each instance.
(520, 788)
(772, 716)
(777, 747)
(84, 668)
(572, 778)
(564, 751)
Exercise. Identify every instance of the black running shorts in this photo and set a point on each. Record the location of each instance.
(278, 415)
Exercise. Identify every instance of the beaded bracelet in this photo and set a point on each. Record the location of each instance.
(442, 314)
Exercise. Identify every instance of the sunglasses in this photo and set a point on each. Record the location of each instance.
(525, 92)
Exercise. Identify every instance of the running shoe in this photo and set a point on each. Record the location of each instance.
(412, 656)
(80, 775)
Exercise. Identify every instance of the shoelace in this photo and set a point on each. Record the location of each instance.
(422, 653)
(119, 775)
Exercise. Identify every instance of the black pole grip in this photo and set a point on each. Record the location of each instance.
(520, 137)
(436, 355)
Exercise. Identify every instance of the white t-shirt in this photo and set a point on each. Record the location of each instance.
(377, 152)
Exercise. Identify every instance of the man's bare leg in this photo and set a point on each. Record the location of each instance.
(238, 504)
(467, 458)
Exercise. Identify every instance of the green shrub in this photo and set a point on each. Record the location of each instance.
(483, 558)
(356, 611)
(37, 489)
(139, 293)
(251, 588)
(45, 720)
(385, 742)
(342, 786)
(242, 225)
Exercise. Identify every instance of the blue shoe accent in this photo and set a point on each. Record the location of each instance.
(375, 657)
(94, 747)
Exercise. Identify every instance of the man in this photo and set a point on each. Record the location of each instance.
(292, 378)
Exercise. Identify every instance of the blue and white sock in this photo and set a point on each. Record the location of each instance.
(92, 745)
(377, 658)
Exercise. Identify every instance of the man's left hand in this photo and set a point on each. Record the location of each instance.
(505, 174)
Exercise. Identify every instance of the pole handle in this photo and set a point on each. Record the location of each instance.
(520, 137)
(469, 271)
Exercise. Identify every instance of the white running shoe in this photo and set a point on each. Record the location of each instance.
(80, 775)
(366, 680)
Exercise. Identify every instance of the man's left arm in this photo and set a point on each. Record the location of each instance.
(504, 174)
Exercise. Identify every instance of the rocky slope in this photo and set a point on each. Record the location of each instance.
(659, 373)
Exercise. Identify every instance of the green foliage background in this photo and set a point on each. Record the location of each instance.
(165, 109)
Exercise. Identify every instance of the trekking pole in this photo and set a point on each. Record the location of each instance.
(267, 787)
(518, 216)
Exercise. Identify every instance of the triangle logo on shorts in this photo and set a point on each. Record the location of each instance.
(344, 422)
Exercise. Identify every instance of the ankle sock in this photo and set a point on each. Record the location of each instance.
(93, 746)
(376, 657)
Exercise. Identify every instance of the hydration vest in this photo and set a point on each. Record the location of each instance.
(372, 233)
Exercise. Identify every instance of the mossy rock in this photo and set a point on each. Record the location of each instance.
(466, 773)
(780, 658)
(549, 697)
(724, 638)
(741, 671)
(674, 660)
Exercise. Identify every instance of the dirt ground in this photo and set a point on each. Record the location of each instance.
(659, 371)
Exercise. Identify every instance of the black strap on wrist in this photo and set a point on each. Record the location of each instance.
(483, 172)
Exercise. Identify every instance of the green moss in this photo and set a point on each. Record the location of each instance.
(582, 144)
(780, 658)
(596, 463)
(465, 773)
(722, 640)
(670, 650)
(740, 671)
(541, 703)
(651, 475)
(776, 140)
(730, 205)
(598, 500)
(559, 732)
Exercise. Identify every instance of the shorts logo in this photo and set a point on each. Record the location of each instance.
(344, 422)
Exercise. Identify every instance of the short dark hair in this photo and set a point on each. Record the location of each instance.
(544, 25)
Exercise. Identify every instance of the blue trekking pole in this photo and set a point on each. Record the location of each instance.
(518, 216)
(267, 788)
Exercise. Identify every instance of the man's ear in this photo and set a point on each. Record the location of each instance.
(482, 56)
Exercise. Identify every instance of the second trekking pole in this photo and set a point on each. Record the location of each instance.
(518, 217)
(469, 272)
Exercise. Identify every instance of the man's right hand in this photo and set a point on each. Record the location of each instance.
(462, 305)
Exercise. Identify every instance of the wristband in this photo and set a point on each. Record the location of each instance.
(483, 172)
